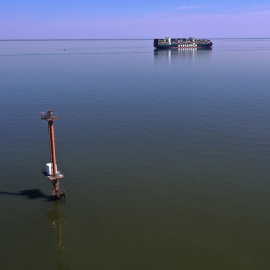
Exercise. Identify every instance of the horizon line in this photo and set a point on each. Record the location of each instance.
(67, 39)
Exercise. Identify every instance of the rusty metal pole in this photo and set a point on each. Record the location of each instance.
(53, 175)
(53, 147)
(55, 182)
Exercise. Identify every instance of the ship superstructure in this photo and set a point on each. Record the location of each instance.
(182, 43)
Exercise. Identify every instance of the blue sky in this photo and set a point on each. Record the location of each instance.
(29, 19)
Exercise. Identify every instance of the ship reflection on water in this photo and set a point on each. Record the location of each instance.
(57, 218)
(169, 55)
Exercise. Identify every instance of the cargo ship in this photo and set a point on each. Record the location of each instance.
(182, 43)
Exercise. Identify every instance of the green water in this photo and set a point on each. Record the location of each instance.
(165, 155)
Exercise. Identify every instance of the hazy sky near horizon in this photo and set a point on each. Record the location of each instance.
(29, 19)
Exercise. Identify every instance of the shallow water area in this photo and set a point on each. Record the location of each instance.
(165, 155)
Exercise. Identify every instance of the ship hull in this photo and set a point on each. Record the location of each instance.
(186, 47)
(199, 46)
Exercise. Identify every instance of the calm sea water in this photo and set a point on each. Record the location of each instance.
(165, 154)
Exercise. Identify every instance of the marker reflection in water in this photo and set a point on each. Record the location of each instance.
(57, 218)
